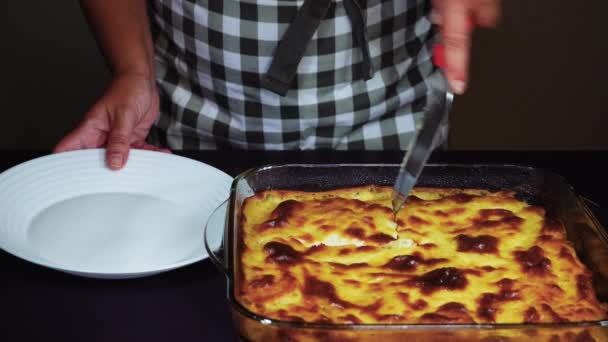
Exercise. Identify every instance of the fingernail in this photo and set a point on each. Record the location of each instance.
(115, 161)
(458, 86)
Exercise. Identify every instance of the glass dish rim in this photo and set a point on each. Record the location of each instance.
(266, 321)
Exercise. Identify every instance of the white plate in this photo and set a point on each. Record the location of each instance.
(69, 212)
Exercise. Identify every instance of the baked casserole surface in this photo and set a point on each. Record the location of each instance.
(449, 256)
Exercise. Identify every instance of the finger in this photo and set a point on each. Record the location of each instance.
(70, 142)
(119, 140)
(456, 41)
(149, 147)
(487, 12)
(438, 5)
(84, 136)
(436, 17)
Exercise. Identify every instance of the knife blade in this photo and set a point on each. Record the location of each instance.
(422, 145)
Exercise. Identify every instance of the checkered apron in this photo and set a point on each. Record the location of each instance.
(290, 74)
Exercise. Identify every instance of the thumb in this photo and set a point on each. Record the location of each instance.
(119, 139)
(457, 42)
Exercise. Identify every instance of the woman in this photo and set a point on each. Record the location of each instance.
(270, 74)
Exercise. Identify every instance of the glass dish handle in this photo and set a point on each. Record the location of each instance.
(214, 236)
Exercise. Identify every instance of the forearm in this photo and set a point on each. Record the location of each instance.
(122, 30)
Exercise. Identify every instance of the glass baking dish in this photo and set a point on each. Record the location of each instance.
(535, 186)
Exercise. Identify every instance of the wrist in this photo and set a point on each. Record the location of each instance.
(141, 71)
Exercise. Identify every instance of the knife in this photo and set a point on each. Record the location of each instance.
(435, 125)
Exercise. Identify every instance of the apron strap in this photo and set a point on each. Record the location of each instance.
(357, 21)
(291, 48)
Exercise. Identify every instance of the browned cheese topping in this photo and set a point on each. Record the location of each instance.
(450, 256)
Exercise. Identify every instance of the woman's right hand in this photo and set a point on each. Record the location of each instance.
(456, 19)
(120, 120)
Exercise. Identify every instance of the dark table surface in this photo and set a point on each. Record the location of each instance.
(189, 304)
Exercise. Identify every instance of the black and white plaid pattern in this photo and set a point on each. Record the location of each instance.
(212, 54)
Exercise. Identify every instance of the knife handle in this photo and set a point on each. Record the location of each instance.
(439, 55)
